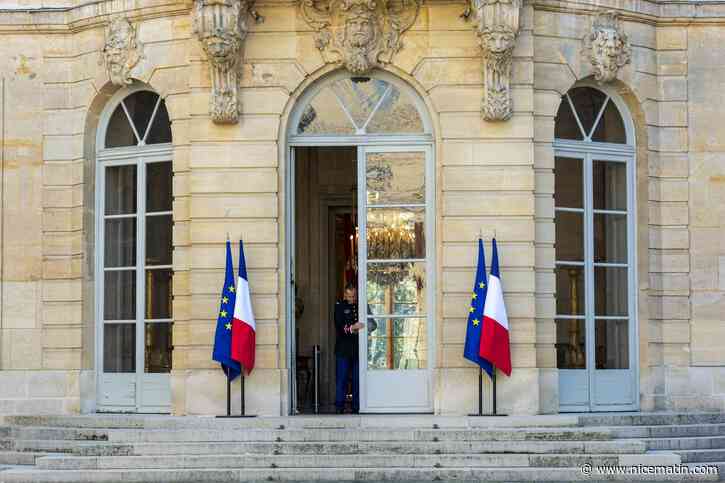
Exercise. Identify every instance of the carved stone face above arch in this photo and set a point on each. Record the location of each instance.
(121, 51)
(359, 34)
(607, 46)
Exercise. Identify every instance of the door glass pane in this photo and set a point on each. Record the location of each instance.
(161, 129)
(158, 294)
(158, 347)
(140, 106)
(121, 190)
(119, 295)
(570, 344)
(570, 290)
(396, 288)
(120, 242)
(395, 177)
(396, 115)
(610, 291)
(587, 102)
(395, 233)
(158, 187)
(398, 343)
(611, 127)
(119, 132)
(612, 344)
(119, 348)
(360, 95)
(610, 185)
(568, 187)
(565, 125)
(610, 238)
(158, 240)
(569, 236)
(324, 115)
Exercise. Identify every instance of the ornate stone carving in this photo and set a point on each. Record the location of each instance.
(121, 51)
(222, 26)
(607, 46)
(497, 26)
(360, 34)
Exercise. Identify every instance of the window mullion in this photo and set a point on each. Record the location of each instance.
(598, 118)
(576, 116)
(589, 301)
(377, 106)
(130, 122)
(140, 277)
(151, 121)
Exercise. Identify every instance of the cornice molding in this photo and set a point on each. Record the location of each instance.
(95, 14)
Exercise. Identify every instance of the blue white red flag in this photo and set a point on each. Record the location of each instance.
(243, 325)
(475, 315)
(495, 345)
(222, 352)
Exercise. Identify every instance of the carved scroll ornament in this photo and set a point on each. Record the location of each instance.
(360, 34)
(222, 26)
(497, 26)
(121, 51)
(607, 46)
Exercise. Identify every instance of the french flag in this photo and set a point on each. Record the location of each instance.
(494, 345)
(243, 326)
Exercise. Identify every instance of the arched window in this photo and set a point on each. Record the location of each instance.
(133, 252)
(595, 289)
(359, 106)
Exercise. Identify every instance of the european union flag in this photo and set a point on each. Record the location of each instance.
(475, 315)
(223, 338)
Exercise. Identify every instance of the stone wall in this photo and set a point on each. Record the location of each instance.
(230, 178)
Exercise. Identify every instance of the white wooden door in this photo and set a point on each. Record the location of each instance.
(395, 196)
(133, 284)
(595, 282)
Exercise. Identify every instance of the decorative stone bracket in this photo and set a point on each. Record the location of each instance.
(606, 46)
(222, 26)
(122, 51)
(360, 34)
(497, 26)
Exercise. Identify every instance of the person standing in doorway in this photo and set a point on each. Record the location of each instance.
(347, 327)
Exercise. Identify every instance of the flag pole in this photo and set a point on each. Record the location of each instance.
(480, 369)
(229, 394)
(494, 391)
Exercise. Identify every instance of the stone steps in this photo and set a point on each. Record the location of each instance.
(339, 475)
(332, 435)
(59, 462)
(370, 447)
(158, 449)
(701, 455)
(685, 443)
(19, 457)
(664, 431)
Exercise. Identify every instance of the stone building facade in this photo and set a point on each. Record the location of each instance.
(489, 87)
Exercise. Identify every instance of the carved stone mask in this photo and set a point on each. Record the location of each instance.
(498, 41)
(608, 47)
(359, 34)
(222, 47)
(121, 51)
(360, 29)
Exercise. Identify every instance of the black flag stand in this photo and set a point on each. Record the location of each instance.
(229, 399)
(480, 394)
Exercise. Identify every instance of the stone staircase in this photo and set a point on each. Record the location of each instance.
(163, 449)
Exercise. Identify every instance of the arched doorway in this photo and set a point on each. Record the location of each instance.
(594, 199)
(372, 139)
(133, 266)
